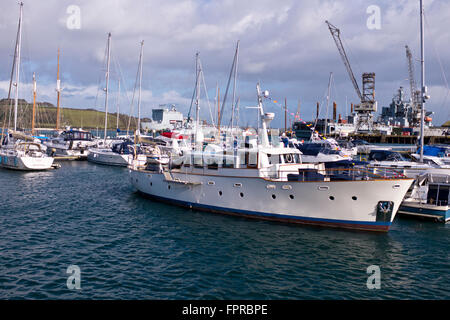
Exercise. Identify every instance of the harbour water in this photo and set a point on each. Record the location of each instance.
(129, 247)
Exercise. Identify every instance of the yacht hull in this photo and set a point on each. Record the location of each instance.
(417, 209)
(67, 154)
(113, 159)
(342, 204)
(25, 163)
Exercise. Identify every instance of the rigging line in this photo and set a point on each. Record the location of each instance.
(132, 99)
(228, 85)
(440, 65)
(233, 102)
(123, 82)
(98, 87)
(215, 101)
(11, 78)
(320, 109)
(195, 87)
(22, 107)
(206, 92)
(336, 94)
(25, 72)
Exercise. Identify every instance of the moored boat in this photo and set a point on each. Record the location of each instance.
(22, 152)
(121, 154)
(71, 144)
(272, 183)
(429, 198)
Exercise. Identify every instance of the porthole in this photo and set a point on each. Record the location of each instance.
(331, 197)
(241, 194)
(354, 198)
(151, 183)
(220, 193)
(274, 196)
(291, 196)
(168, 187)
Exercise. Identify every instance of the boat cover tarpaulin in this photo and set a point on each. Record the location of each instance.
(434, 151)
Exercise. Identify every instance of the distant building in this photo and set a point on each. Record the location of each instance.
(164, 118)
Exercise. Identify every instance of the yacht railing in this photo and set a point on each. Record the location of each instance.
(334, 174)
(439, 203)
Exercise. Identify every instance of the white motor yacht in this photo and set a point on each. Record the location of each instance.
(272, 183)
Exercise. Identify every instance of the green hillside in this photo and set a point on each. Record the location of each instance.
(46, 116)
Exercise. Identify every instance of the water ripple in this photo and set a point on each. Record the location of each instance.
(128, 247)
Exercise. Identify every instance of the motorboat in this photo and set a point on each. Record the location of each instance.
(120, 154)
(71, 144)
(271, 182)
(393, 162)
(429, 198)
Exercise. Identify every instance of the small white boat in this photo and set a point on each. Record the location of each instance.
(434, 161)
(70, 144)
(393, 163)
(429, 198)
(320, 152)
(121, 154)
(22, 152)
(364, 147)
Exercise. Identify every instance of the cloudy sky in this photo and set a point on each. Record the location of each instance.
(285, 45)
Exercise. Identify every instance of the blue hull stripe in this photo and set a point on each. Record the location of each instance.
(273, 216)
(443, 213)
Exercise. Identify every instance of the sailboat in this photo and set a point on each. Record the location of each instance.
(20, 151)
(268, 182)
(120, 153)
(68, 143)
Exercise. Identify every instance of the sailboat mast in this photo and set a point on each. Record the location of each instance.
(58, 93)
(218, 112)
(197, 98)
(34, 104)
(233, 103)
(16, 100)
(264, 136)
(107, 83)
(12, 74)
(140, 86)
(422, 64)
(118, 97)
(325, 131)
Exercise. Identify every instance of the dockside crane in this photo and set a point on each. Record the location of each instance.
(415, 94)
(367, 105)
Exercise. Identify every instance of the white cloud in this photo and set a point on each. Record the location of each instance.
(285, 44)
